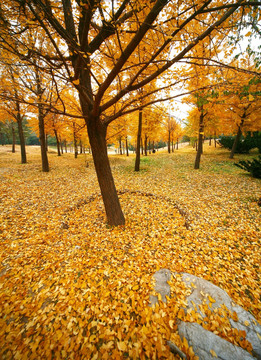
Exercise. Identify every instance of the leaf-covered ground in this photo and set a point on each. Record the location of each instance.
(74, 288)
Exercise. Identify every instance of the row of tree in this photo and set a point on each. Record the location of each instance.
(100, 64)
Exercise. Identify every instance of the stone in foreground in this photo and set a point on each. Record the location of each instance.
(206, 344)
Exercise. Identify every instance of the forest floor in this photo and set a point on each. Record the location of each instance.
(72, 287)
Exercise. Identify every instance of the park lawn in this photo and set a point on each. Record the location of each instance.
(74, 288)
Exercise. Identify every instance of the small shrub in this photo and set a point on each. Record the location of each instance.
(253, 167)
(245, 144)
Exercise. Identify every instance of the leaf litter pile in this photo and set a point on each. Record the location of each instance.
(74, 288)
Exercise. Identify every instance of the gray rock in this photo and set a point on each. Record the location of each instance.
(201, 289)
(161, 286)
(204, 342)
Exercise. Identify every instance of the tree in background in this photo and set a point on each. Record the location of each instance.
(11, 88)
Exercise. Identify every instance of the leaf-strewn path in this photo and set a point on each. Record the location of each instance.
(73, 288)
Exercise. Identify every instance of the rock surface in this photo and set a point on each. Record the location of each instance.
(202, 341)
(161, 285)
(207, 345)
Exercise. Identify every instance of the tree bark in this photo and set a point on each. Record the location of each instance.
(13, 137)
(75, 142)
(57, 142)
(137, 161)
(238, 135)
(120, 147)
(146, 145)
(45, 163)
(126, 144)
(97, 137)
(21, 138)
(169, 143)
(20, 130)
(46, 142)
(200, 140)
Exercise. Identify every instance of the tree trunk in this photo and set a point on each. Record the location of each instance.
(21, 133)
(172, 145)
(13, 137)
(75, 142)
(57, 142)
(75, 149)
(177, 145)
(200, 140)
(137, 161)
(146, 145)
(61, 145)
(233, 150)
(120, 147)
(45, 163)
(127, 149)
(46, 142)
(169, 143)
(97, 137)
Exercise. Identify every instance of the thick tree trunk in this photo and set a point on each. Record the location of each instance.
(97, 137)
(177, 144)
(13, 137)
(21, 134)
(233, 150)
(137, 161)
(200, 140)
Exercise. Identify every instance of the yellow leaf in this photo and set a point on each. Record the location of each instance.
(211, 299)
(122, 346)
(251, 97)
(171, 323)
(212, 352)
(185, 343)
(246, 323)
(135, 287)
(92, 338)
(259, 336)
(76, 82)
(248, 34)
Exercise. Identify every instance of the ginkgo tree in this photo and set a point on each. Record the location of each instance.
(241, 98)
(95, 46)
(13, 108)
